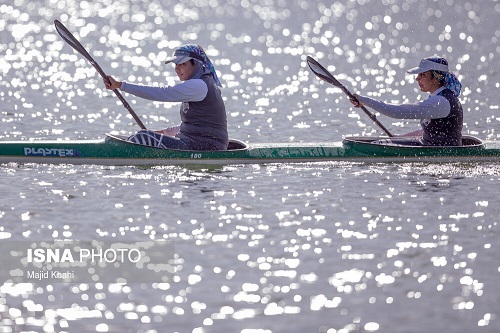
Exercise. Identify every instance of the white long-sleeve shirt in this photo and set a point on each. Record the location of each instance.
(434, 107)
(194, 90)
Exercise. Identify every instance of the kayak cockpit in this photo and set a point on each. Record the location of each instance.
(233, 143)
(374, 146)
(236, 145)
(467, 141)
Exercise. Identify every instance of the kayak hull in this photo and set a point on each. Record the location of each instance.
(115, 150)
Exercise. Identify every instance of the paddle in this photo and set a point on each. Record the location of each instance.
(74, 43)
(325, 75)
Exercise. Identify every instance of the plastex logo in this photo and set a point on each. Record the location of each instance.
(58, 152)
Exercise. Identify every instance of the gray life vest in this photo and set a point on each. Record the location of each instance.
(445, 131)
(204, 123)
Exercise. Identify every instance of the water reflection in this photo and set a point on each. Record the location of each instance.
(298, 257)
(261, 70)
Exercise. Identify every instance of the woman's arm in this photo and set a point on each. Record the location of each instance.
(194, 90)
(432, 108)
(111, 83)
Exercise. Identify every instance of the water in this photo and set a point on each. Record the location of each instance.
(324, 247)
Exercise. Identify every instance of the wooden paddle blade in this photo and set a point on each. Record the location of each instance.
(71, 40)
(75, 44)
(322, 72)
(325, 75)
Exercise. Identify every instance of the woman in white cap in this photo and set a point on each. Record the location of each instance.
(203, 114)
(441, 115)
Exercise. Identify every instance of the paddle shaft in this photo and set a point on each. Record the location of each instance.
(368, 113)
(75, 44)
(325, 75)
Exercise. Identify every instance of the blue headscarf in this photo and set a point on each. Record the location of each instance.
(197, 53)
(449, 79)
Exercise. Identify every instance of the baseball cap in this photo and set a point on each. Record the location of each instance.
(182, 54)
(428, 65)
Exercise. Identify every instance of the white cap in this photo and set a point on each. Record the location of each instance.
(179, 59)
(427, 65)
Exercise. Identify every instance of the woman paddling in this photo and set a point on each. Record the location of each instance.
(440, 115)
(203, 114)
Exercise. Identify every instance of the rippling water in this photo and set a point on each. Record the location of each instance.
(325, 247)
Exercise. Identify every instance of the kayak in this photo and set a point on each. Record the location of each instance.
(116, 150)
(471, 150)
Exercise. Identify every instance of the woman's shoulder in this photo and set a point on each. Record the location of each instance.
(193, 83)
(446, 94)
(195, 89)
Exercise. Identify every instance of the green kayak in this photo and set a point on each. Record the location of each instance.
(115, 150)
